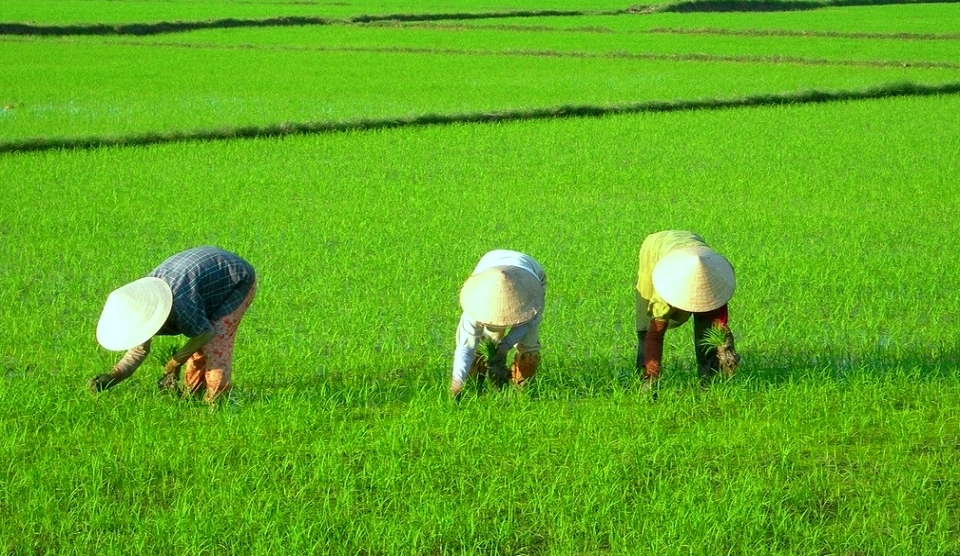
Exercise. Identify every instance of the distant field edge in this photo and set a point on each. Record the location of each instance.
(569, 111)
(153, 28)
(163, 27)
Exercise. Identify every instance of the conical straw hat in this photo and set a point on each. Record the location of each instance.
(694, 279)
(502, 296)
(134, 313)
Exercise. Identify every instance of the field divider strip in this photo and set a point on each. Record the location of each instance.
(153, 28)
(901, 36)
(575, 54)
(179, 26)
(719, 31)
(425, 120)
(164, 27)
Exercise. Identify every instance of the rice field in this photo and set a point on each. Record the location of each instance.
(837, 436)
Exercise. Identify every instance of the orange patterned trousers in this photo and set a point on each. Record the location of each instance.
(208, 370)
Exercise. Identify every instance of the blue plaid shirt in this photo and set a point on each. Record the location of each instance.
(208, 284)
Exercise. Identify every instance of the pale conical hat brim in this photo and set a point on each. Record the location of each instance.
(694, 279)
(133, 313)
(502, 296)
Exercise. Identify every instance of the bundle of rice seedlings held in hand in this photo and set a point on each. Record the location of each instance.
(719, 339)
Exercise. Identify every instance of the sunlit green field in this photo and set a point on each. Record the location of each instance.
(839, 434)
(218, 80)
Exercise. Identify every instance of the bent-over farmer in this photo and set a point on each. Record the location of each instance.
(201, 293)
(502, 303)
(680, 276)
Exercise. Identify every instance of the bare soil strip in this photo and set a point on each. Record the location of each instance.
(582, 111)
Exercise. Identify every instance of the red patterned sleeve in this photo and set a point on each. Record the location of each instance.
(718, 316)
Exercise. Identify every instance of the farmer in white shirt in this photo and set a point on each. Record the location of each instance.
(502, 302)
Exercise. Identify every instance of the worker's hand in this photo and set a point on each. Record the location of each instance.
(649, 386)
(456, 390)
(169, 383)
(728, 357)
(100, 382)
(172, 368)
(498, 374)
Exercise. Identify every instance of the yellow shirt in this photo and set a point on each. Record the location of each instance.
(649, 303)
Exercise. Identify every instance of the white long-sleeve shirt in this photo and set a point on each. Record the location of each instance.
(526, 336)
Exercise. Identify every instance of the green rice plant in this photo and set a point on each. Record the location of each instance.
(713, 338)
(162, 350)
(486, 350)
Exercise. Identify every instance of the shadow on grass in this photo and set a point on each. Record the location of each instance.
(356, 388)
(766, 368)
(368, 392)
(371, 390)
(760, 369)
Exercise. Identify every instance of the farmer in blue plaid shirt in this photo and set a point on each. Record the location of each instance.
(201, 293)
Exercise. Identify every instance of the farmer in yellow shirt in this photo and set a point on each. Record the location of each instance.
(680, 276)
